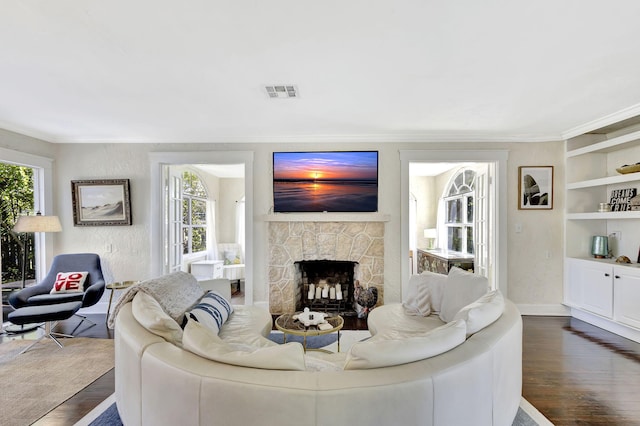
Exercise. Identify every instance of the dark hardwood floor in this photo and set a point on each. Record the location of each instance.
(578, 374)
(573, 373)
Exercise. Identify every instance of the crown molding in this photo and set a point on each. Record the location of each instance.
(360, 138)
(590, 126)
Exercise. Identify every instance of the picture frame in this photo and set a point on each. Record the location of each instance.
(535, 187)
(101, 202)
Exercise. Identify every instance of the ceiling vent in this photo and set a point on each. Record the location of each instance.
(282, 91)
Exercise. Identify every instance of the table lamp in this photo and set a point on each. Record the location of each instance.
(431, 234)
(32, 224)
(25, 225)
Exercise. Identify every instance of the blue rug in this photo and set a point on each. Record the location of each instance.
(110, 417)
(313, 342)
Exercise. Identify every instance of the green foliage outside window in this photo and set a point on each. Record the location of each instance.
(16, 196)
(194, 214)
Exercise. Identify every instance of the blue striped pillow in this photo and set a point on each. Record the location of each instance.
(212, 311)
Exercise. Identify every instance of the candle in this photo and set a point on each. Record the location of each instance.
(339, 295)
(325, 292)
(312, 288)
(311, 294)
(338, 288)
(318, 293)
(332, 293)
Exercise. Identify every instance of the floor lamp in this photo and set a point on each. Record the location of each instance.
(26, 225)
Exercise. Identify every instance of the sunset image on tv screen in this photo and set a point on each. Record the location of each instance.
(341, 181)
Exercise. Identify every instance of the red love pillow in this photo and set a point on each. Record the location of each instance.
(69, 282)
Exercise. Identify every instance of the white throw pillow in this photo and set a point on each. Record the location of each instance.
(420, 303)
(231, 257)
(461, 289)
(148, 312)
(379, 353)
(482, 312)
(212, 311)
(203, 342)
(69, 282)
(425, 293)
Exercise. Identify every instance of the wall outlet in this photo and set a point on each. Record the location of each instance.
(617, 235)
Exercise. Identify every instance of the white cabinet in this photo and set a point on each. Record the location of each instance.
(607, 292)
(207, 269)
(626, 285)
(590, 286)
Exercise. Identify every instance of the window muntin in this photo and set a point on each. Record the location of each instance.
(459, 206)
(194, 214)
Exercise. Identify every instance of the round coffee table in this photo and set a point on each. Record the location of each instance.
(288, 324)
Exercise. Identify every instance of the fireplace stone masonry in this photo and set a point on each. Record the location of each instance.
(289, 242)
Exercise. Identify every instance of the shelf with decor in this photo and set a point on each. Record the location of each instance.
(576, 147)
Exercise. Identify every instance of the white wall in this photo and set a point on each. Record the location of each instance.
(534, 277)
(536, 253)
(231, 191)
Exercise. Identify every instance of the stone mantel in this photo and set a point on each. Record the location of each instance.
(290, 240)
(326, 217)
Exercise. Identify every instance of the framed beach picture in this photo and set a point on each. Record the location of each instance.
(104, 202)
(535, 187)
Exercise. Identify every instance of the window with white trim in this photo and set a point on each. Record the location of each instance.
(459, 209)
(194, 214)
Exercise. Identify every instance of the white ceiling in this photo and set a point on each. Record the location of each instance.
(395, 70)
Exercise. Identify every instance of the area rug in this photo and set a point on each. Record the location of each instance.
(45, 376)
(325, 341)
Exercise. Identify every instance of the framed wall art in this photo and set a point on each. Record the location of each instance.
(535, 187)
(104, 202)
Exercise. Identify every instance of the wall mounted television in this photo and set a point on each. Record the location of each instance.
(327, 181)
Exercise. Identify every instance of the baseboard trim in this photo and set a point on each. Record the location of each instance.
(607, 324)
(555, 310)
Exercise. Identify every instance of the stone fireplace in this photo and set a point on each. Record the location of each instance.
(361, 243)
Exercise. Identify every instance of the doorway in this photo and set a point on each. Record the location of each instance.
(489, 231)
(167, 231)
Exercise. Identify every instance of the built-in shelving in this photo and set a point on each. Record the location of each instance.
(601, 291)
(606, 215)
(614, 144)
(610, 180)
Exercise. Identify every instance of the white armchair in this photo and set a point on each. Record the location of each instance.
(233, 261)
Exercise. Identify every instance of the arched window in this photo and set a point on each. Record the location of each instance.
(194, 214)
(459, 208)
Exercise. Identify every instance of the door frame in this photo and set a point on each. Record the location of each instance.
(158, 160)
(499, 159)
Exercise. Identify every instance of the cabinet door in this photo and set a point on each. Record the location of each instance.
(627, 296)
(590, 287)
(598, 289)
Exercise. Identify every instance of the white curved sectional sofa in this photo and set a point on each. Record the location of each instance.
(476, 383)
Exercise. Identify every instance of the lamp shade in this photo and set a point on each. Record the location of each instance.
(430, 233)
(37, 223)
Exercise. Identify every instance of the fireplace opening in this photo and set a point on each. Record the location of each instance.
(325, 286)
